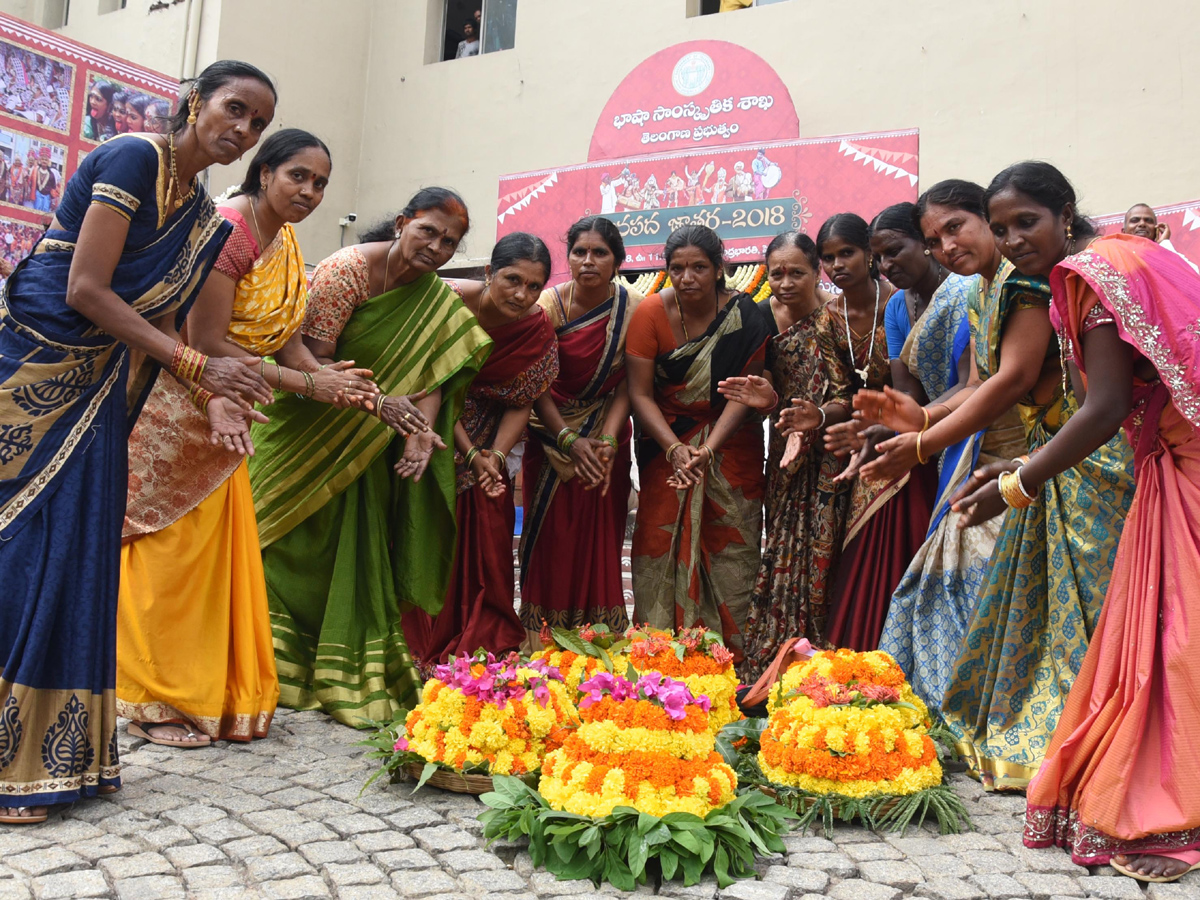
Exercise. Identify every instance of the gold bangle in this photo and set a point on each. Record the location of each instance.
(919, 458)
(925, 427)
(1011, 490)
(675, 446)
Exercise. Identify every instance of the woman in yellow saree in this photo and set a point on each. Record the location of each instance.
(194, 655)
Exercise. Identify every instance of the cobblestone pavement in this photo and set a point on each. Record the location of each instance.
(283, 818)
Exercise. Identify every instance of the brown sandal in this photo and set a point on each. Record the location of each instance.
(24, 820)
(144, 732)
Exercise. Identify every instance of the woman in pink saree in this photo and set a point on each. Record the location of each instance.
(1119, 783)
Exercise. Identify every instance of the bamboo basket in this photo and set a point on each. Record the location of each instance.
(448, 780)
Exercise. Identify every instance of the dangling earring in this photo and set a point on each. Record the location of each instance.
(193, 109)
(263, 184)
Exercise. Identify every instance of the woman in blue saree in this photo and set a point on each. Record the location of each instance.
(85, 322)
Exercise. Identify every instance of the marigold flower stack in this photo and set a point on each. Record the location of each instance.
(574, 665)
(645, 744)
(692, 655)
(481, 714)
(848, 723)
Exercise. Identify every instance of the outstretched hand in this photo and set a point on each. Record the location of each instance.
(749, 390)
(979, 498)
(229, 425)
(891, 408)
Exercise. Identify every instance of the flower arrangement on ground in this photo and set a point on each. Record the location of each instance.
(485, 716)
(697, 657)
(846, 734)
(638, 782)
(579, 653)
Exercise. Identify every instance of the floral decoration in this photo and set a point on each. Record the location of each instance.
(696, 656)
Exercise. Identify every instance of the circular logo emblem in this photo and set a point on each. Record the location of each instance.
(693, 73)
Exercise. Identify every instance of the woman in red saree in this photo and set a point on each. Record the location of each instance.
(577, 501)
(1119, 783)
(887, 521)
(479, 609)
(697, 541)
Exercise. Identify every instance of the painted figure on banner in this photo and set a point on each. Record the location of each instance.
(675, 186)
(766, 175)
(608, 194)
(721, 187)
(651, 195)
(741, 187)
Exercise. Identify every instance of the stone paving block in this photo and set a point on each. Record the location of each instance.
(999, 887)
(11, 889)
(307, 887)
(1180, 890)
(68, 885)
(1114, 887)
(308, 833)
(253, 847)
(756, 890)
(222, 831)
(326, 809)
(149, 887)
(423, 883)
(152, 804)
(379, 803)
(140, 864)
(1050, 860)
(944, 866)
(352, 873)
(68, 831)
(797, 843)
(547, 884)
(414, 817)
(105, 845)
(159, 836)
(241, 804)
(857, 889)
(95, 811)
(807, 880)
(491, 882)
(331, 852)
(211, 878)
(705, 890)
(278, 867)
(992, 825)
(871, 851)
(441, 838)
(45, 861)
(838, 864)
(367, 892)
(393, 860)
(895, 872)
(459, 861)
(258, 784)
(957, 843)
(949, 889)
(1041, 886)
(128, 822)
(918, 846)
(379, 841)
(237, 892)
(291, 797)
(355, 824)
(272, 820)
(992, 862)
(190, 855)
(22, 840)
(467, 821)
(346, 791)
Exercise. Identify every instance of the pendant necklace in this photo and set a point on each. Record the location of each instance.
(862, 373)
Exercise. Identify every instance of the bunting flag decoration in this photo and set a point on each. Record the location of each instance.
(885, 161)
(522, 198)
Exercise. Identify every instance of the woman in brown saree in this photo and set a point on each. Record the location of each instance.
(699, 521)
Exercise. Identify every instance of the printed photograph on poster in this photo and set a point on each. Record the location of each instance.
(31, 171)
(35, 87)
(17, 240)
(113, 108)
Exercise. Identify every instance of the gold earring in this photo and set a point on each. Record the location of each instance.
(1070, 236)
(193, 109)
(263, 185)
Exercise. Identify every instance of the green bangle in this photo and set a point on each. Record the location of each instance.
(503, 458)
(470, 457)
(566, 438)
(608, 439)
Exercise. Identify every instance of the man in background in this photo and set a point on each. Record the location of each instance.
(1142, 221)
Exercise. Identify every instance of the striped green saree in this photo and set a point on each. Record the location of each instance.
(347, 543)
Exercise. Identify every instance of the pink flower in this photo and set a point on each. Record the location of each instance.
(720, 653)
(401, 743)
(879, 692)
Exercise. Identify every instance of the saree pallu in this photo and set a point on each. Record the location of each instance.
(1046, 582)
(696, 552)
(347, 543)
(885, 526)
(805, 507)
(479, 609)
(934, 601)
(67, 399)
(1120, 776)
(571, 537)
(191, 568)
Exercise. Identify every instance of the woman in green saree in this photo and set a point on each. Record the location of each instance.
(357, 525)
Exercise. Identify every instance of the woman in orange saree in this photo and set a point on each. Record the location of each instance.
(696, 545)
(1119, 783)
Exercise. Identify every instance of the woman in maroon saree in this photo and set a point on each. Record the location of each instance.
(523, 364)
(577, 461)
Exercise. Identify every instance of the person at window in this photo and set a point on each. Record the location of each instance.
(469, 45)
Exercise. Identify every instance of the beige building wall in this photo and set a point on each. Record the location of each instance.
(1101, 88)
